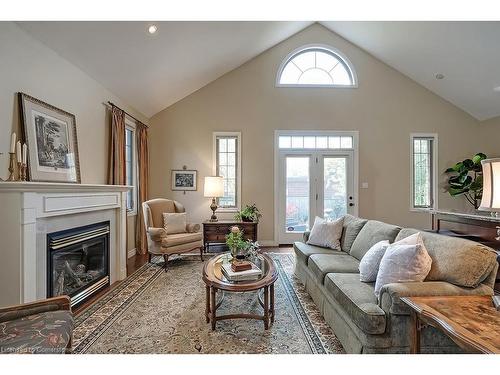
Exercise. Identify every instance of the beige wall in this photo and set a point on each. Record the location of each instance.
(386, 108)
(490, 137)
(28, 66)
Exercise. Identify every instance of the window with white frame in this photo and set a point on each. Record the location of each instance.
(227, 164)
(423, 174)
(316, 65)
(131, 166)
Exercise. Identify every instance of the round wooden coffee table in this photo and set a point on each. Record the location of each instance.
(215, 281)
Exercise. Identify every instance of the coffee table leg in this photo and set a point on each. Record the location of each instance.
(212, 309)
(207, 306)
(266, 307)
(272, 303)
(414, 333)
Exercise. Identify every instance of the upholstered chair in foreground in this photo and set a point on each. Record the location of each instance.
(41, 327)
(161, 243)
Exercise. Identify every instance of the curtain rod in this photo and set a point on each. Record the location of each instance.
(128, 114)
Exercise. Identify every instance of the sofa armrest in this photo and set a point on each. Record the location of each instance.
(157, 234)
(37, 307)
(305, 236)
(192, 228)
(390, 294)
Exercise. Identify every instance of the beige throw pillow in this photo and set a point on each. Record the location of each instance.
(326, 233)
(174, 222)
(404, 261)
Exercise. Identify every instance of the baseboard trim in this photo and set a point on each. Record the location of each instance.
(131, 252)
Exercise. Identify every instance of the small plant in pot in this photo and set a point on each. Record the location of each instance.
(236, 243)
(249, 213)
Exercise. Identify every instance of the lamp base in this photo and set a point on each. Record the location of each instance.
(213, 207)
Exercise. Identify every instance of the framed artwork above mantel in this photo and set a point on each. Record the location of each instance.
(51, 136)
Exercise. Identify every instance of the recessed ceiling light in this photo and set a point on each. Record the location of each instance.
(496, 89)
(439, 76)
(152, 29)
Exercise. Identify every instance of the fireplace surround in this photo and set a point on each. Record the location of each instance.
(78, 261)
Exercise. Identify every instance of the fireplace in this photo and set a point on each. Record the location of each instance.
(78, 261)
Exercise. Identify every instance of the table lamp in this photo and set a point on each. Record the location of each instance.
(214, 188)
(491, 185)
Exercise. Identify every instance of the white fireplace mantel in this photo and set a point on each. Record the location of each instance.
(29, 209)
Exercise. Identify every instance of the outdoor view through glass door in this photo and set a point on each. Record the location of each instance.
(313, 182)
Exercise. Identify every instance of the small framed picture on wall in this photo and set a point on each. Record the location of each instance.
(184, 179)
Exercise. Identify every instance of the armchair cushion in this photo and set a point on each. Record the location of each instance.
(390, 294)
(180, 239)
(174, 222)
(46, 332)
(192, 228)
(157, 234)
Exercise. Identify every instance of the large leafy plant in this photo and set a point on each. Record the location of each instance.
(467, 179)
(249, 213)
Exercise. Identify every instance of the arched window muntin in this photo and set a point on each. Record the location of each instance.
(336, 54)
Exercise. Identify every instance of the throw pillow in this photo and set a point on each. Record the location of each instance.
(174, 222)
(326, 233)
(404, 262)
(370, 263)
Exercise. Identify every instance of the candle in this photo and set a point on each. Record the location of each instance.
(13, 143)
(18, 149)
(25, 153)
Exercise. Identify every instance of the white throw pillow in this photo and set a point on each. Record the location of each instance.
(326, 233)
(174, 222)
(404, 261)
(370, 263)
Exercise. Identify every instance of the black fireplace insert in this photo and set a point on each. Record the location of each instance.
(78, 262)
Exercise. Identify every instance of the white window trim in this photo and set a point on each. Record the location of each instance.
(238, 166)
(435, 165)
(131, 125)
(355, 163)
(331, 49)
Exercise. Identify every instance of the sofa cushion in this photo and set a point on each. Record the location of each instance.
(358, 300)
(351, 228)
(456, 260)
(49, 332)
(180, 238)
(303, 251)
(321, 264)
(371, 233)
(370, 263)
(326, 233)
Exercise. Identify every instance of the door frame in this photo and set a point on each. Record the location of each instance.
(355, 164)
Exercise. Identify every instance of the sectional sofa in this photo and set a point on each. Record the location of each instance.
(367, 324)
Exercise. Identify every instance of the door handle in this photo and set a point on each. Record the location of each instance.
(351, 204)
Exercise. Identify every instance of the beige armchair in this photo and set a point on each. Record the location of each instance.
(161, 243)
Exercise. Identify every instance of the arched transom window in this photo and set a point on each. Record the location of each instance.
(316, 66)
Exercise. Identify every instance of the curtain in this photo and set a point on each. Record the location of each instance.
(117, 168)
(143, 181)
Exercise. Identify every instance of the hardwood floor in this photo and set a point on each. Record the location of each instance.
(138, 260)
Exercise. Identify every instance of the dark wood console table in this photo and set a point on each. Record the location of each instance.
(216, 232)
(484, 229)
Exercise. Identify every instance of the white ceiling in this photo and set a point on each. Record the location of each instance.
(151, 72)
(466, 53)
(156, 71)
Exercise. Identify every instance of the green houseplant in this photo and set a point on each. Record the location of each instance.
(467, 179)
(236, 242)
(248, 213)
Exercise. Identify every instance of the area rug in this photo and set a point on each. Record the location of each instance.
(154, 311)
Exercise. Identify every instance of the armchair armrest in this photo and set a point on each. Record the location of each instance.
(305, 236)
(37, 307)
(192, 228)
(390, 294)
(157, 234)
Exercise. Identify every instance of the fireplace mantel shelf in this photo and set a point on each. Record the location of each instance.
(54, 187)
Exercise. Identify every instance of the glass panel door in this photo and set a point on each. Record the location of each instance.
(335, 199)
(298, 186)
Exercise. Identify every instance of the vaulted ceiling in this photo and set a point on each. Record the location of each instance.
(151, 72)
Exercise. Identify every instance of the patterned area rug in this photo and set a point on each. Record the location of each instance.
(163, 312)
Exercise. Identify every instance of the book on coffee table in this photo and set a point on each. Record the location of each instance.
(252, 274)
(241, 265)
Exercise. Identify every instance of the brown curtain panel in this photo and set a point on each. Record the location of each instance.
(117, 168)
(143, 177)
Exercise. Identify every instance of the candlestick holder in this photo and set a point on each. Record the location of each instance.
(12, 166)
(21, 167)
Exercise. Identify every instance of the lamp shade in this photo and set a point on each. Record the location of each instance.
(214, 187)
(491, 185)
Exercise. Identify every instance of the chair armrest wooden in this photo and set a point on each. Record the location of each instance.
(37, 307)
(192, 228)
(157, 234)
